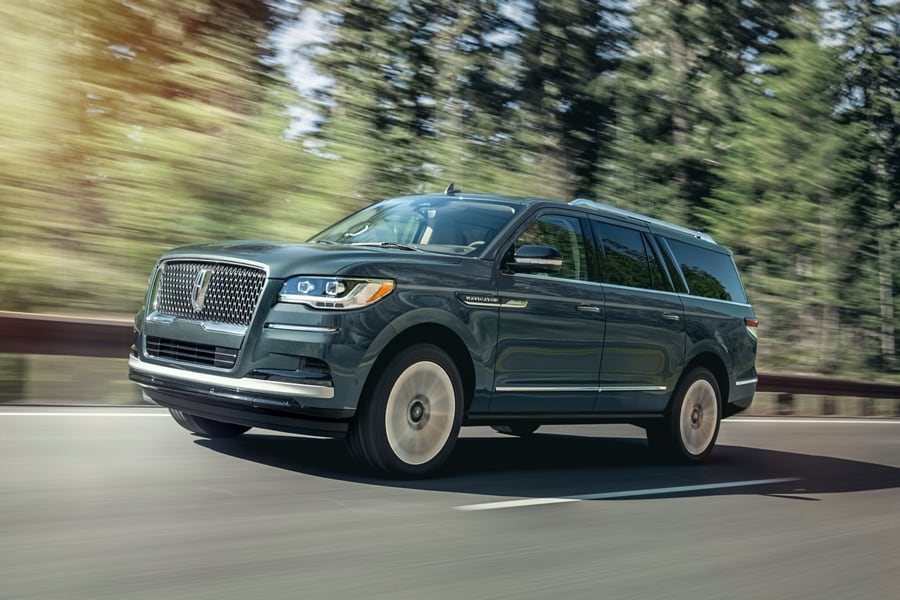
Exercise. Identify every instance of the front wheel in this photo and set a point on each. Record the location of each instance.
(409, 424)
(692, 420)
(207, 427)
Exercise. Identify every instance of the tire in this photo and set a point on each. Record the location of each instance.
(691, 425)
(517, 429)
(408, 426)
(207, 427)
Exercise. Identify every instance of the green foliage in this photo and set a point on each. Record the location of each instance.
(135, 127)
(131, 127)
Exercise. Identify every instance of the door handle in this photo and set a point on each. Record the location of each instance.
(670, 317)
(588, 308)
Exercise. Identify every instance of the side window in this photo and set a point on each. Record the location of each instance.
(626, 259)
(708, 273)
(564, 234)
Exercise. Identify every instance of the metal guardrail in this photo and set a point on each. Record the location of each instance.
(26, 333)
(827, 386)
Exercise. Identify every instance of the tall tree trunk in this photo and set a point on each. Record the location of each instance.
(830, 325)
(886, 285)
(680, 126)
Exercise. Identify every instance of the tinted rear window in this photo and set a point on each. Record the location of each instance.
(708, 273)
(626, 259)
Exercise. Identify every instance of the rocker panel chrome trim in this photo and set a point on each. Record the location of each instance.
(600, 389)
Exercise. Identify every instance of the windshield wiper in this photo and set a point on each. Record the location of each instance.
(395, 245)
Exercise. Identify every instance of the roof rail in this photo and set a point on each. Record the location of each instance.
(627, 214)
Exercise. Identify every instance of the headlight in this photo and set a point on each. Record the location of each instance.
(334, 293)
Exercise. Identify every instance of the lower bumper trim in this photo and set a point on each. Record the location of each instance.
(244, 385)
(306, 422)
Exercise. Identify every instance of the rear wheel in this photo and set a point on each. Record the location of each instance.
(409, 424)
(207, 427)
(692, 420)
(517, 429)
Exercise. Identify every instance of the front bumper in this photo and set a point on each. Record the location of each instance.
(243, 401)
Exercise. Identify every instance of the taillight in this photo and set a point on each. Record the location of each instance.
(752, 325)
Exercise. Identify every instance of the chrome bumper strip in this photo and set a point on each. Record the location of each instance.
(243, 384)
(746, 381)
(306, 328)
(211, 326)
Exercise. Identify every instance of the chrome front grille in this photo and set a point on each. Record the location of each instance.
(224, 293)
(189, 352)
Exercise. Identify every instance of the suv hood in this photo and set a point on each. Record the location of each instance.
(285, 260)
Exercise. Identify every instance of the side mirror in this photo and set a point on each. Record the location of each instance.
(536, 259)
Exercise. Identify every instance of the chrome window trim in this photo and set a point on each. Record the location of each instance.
(546, 277)
(640, 289)
(628, 287)
(241, 384)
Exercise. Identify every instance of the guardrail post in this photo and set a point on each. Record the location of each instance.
(867, 407)
(829, 405)
(12, 377)
(785, 404)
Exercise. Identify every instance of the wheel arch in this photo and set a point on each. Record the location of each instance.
(715, 365)
(429, 333)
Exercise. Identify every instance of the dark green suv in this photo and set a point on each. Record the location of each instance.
(418, 315)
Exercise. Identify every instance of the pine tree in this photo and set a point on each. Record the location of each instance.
(569, 52)
(675, 94)
(163, 128)
(868, 32)
(781, 205)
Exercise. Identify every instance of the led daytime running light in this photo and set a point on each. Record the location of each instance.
(334, 293)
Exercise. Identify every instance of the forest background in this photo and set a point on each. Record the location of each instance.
(129, 127)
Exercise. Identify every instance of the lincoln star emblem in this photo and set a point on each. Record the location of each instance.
(201, 285)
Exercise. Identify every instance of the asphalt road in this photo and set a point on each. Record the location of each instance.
(123, 504)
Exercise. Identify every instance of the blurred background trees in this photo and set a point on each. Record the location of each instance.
(131, 127)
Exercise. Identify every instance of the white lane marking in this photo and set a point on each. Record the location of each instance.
(622, 494)
(813, 420)
(82, 414)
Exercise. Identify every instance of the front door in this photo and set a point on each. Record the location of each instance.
(551, 328)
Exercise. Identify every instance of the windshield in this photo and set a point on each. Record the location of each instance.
(446, 225)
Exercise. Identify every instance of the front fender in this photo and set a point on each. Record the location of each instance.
(475, 328)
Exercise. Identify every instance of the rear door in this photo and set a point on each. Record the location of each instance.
(643, 351)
